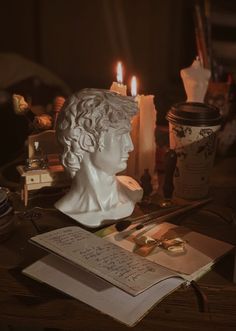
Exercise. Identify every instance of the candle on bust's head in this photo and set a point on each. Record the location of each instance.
(118, 86)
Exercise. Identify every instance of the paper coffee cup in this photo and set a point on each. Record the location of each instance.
(193, 131)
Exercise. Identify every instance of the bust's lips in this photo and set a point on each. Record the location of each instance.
(125, 158)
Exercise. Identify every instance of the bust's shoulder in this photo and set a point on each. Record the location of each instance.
(129, 182)
(131, 186)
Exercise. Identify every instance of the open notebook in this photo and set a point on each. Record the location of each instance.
(112, 279)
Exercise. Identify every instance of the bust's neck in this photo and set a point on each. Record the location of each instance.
(96, 198)
(102, 186)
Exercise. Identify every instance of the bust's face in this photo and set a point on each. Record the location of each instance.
(113, 157)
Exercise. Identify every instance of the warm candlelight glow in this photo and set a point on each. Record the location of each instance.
(119, 73)
(133, 86)
(118, 86)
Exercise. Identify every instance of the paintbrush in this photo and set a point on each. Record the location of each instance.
(125, 223)
(155, 216)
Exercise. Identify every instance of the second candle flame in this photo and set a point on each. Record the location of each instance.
(133, 86)
(119, 73)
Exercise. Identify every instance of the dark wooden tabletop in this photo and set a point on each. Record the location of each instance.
(25, 302)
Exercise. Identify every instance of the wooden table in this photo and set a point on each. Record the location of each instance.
(25, 302)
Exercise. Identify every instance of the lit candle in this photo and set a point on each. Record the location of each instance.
(132, 164)
(143, 136)
(118, 86)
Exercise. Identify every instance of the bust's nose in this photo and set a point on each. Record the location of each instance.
(128, 147)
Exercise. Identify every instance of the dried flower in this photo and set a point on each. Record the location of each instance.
(57, 106)
(19, 104)
(58, 103)
(43, 122)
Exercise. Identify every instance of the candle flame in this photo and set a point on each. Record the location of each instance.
(119, 73)
(133, 86)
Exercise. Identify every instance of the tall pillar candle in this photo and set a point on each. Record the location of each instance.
(147, 141)
(143, 136)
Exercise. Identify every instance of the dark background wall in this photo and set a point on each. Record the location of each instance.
(81, 40)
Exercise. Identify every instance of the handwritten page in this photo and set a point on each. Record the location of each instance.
(128, 271)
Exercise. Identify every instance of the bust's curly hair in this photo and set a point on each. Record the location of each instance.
(85, 117)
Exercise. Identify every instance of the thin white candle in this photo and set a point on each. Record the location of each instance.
(132, 165)
(147, 144)
(143, 137)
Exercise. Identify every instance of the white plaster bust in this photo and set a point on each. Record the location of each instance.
(195, 79)
(94, 129)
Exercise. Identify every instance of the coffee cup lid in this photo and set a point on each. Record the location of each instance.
(194, 114)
